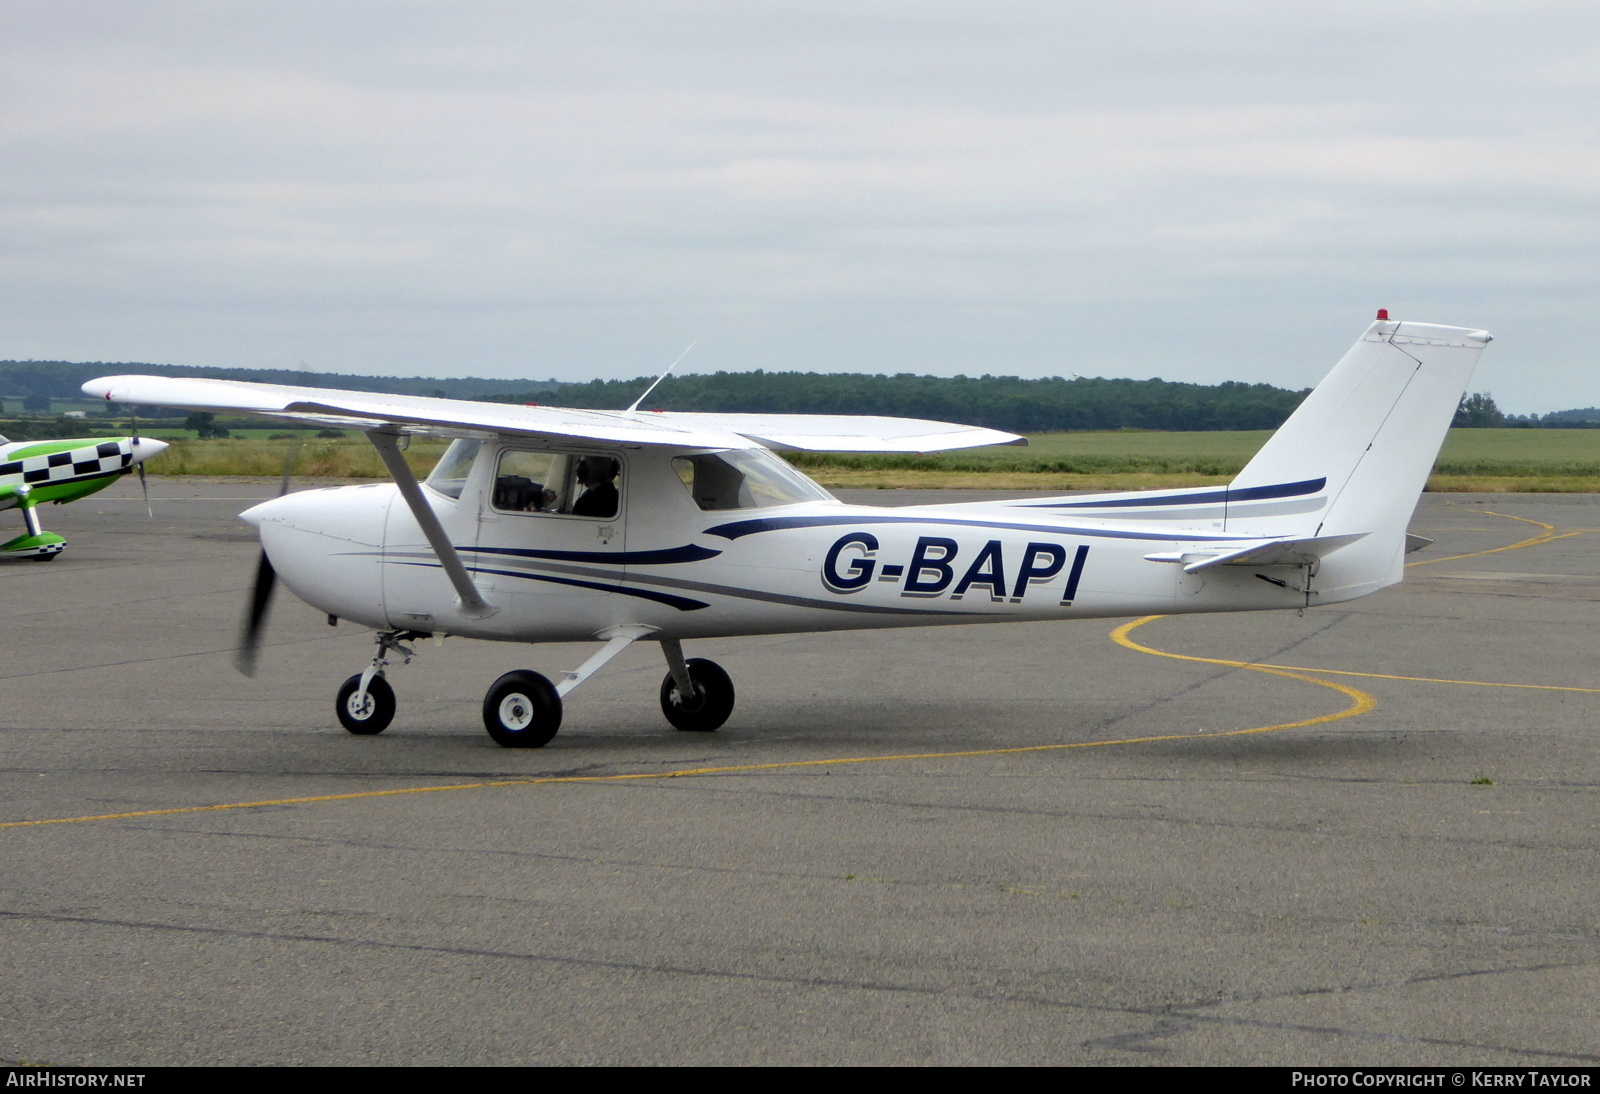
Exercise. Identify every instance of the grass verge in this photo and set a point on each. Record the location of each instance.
(1059, 463)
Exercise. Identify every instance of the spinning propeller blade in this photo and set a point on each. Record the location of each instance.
(255, 618)
(144, 485)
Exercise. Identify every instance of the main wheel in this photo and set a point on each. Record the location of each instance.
(370, 716)
(522, 710)
(711, 704)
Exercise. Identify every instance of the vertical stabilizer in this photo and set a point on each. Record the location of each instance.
(1370, 432)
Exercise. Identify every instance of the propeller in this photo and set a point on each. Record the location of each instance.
(143, 482)
(255, 616)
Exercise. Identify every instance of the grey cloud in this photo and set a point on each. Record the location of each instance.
(578, 189)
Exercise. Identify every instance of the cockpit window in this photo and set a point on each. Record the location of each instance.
(749, 478)
(451, 473)
(529, 481)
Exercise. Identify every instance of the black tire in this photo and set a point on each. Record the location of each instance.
(51, 557)
(711, 704)
(522, 710)
(374, 715)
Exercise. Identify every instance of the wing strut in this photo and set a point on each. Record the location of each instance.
(616, 640)
(469, 599)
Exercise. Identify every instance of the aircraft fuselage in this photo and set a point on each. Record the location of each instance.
(662, 562)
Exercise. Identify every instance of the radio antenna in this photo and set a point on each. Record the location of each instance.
(663, 376)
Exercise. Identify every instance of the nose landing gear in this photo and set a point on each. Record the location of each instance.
(365, 703)
(365, 712)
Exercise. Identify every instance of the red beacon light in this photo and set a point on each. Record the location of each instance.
(1383, 313)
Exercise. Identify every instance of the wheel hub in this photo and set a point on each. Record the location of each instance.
(516, 712)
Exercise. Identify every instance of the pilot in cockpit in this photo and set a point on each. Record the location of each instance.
(596, 474)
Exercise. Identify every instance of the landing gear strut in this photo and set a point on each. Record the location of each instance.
(36, 544)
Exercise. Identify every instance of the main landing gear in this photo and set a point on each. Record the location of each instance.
(700, 703)
(36, 543)
(523, 709)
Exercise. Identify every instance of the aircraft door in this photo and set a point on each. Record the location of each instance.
(551, 536)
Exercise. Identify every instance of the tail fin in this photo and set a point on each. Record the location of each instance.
(1364, 440)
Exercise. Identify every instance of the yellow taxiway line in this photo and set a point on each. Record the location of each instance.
(1360, 703)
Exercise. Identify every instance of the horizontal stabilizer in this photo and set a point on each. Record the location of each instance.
(1415, 542)
(1264, 552)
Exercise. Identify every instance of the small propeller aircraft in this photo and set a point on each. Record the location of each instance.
(541, 524)
(32, 472)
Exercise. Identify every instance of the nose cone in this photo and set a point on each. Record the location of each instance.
(343, 514)
(145, 447)
(266, 510)
(327, 547)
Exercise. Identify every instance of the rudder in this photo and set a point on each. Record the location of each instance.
(1371, 432)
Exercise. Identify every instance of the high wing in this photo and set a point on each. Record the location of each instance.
(459, 418)
(849, 433)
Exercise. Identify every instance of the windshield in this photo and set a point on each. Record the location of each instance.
(453, 470)
(750, 478)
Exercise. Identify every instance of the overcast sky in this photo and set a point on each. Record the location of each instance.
(1193, 191)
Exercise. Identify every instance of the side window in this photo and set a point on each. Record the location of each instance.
(712, 481)
(529, 482)
(747, 479)
(557, 482)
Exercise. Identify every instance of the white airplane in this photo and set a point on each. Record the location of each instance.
(547, 525)
(34, 472)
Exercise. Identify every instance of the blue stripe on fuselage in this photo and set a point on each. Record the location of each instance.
(665, 557)
(1224, 494)
(741, 528)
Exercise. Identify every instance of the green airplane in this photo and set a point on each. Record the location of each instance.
(33, 472)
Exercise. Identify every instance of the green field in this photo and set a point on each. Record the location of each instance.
(1537, 459)
(1486, 460)
(1465, 448)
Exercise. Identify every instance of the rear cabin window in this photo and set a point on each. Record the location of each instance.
(744, 479)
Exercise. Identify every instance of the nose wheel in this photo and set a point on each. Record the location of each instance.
(522, 710)
(365, 714)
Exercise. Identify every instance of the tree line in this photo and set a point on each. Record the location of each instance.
(999, 402)
(63, 380)
(1010, 403)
